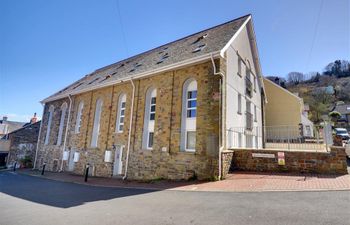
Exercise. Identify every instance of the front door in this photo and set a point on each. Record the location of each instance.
(117, 166)
(71, 160)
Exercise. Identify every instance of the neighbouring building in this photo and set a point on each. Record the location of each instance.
(344, 110)
(165, 113)
(285, 114)
(6, 127)
(22, 145)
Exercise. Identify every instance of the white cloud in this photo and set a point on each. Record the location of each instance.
(18, 117)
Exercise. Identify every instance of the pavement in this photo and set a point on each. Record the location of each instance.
(31, 200)
(234, 182)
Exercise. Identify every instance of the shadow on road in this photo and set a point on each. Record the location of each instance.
(56, 193)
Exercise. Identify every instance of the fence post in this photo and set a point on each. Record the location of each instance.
(87, 172)
(43, 170)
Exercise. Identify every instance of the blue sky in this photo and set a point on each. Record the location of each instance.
(46, 45)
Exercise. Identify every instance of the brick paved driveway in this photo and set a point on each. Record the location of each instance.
(235, 182)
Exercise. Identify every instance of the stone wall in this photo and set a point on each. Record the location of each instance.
(165, 160)
(23, 144)
(333, 162)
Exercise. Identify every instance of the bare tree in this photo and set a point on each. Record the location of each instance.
(295, 78)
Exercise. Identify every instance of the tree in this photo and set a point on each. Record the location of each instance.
(338, 68)
(335, 116)
(295, 78)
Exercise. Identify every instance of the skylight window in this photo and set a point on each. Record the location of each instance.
(78, 85)
(93, 81)
(138, 65)
(121, 65)
(132, 70)
(199, 39)
(106, 78)
(199, 48)
(165, 56)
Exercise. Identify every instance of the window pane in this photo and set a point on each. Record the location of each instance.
(151, 116)
(121, 119)
(123, 104)
(121, 127)
(192, 94)
(192, 104)
(153, 108)
(191, 140)
(122, 112)
(191, 113)
(150, 139)
(153, 100)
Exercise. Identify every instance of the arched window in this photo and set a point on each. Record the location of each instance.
(47, 138)
(189, 114)
(96, 127)
(79, 115)
(150, 115)
(60, 128)
(121, 113)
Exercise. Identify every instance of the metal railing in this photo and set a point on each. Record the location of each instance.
(293, 138)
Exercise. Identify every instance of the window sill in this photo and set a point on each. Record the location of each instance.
(191, 152)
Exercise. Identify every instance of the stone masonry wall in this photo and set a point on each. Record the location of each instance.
(143, 164)
(333, 162)
(23, 143)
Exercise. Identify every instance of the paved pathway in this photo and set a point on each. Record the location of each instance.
(235, 182)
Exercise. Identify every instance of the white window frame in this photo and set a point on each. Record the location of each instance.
(188, 124)
(239, 66)
(255, 114)
(61, 126)
(121, 113)
(97, 120)
(79, 117)
(48, 130)
(239, 103)
(149, 124)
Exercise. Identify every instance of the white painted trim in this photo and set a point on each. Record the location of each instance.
(224, 49)
(178, 65)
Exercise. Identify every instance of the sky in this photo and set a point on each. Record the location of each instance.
(47, 45)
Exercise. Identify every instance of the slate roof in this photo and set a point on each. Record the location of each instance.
(204, 42)
(343, 109)
(9, 126)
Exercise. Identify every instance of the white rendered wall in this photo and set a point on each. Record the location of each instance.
(236, 84)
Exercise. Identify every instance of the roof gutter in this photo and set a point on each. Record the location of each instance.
(140, 75)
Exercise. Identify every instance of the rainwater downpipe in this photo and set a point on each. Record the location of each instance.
(67, 128)
(222, 107)
(38, 141)
(130, 126)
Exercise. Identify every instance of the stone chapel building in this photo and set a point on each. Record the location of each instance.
(165, 113)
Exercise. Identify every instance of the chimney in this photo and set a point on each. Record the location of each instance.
(4, 118)
(33, 119)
